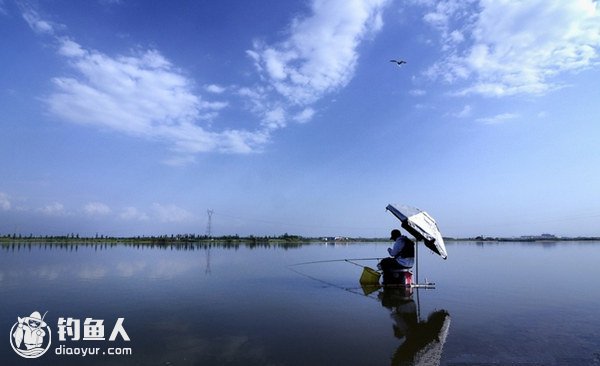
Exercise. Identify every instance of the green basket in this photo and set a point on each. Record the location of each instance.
(369, 276)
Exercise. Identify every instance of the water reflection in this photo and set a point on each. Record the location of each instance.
(17, 246)
(234, 304)
(421, 340)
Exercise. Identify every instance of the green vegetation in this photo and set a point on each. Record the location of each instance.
(284, 239)
(175, 239)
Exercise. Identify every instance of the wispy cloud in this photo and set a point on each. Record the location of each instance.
(96, 209)
(417, 92)
(317, 57)
(465, 112)
(143, 94)
(132, 213)
(503, 48)
(320, 53)
(305, 115)
(110, 2)
(5, 204)
(171, 213)
(157, 212)
(3, 8)
(36, 23)
(214, 88)
(53, 209)
(499, 118)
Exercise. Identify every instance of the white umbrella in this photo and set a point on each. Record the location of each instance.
(422, 226)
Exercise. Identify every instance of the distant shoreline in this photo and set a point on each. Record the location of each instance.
(270, 240)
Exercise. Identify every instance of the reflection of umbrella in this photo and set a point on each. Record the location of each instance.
(424, 344)
(422, 341)
(422, 226)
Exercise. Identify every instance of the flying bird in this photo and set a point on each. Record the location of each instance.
(398, 62)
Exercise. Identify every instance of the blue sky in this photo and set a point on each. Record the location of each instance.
(136, 117)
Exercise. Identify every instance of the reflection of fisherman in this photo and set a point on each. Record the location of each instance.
(402, 253)
(30, 331)
(403, 309)
(422, 341)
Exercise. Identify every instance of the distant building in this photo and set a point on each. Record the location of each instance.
(539, 237)
(334, 238)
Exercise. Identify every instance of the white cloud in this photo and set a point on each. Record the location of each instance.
(111, 2)
(442, 12)
(275, 118)
(71, 49)
(5, 204)
(499, 118)
(417, 92)
(96, 208)
(456, 37)
(320, 54)
(53, 209)
(171, 213)
(179, 160)
(465, 112)
(213, 88)
(520, 52)
(305, 115)
(132, 213)
(142, 95)
(36, 23)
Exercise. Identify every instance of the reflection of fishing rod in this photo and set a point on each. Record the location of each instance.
(349, 260)
(348, 289)
(367, 290)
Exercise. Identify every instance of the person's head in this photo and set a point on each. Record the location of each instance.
(35, 320)
(395, 234)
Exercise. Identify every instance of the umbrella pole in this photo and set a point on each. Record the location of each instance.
(416, 283)
(418, 306)
(417, 278)
(417, 261)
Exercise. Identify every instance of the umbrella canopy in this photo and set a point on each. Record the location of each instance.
(420, 225)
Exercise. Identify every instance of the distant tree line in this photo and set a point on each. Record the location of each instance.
(172, 239)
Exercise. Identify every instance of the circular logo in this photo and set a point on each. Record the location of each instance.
(30, 336)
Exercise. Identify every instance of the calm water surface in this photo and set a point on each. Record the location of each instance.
(494, 304)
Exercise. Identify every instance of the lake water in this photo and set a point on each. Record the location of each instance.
(494, 304)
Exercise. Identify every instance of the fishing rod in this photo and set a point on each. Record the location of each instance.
(427, 285)
(349, 260)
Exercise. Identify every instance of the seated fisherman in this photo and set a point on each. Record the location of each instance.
(402, 253)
